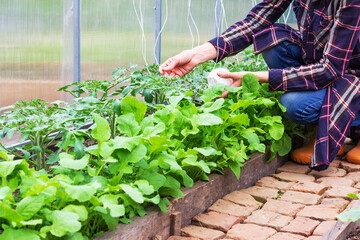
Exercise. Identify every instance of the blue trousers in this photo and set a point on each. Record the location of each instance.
(301, 107)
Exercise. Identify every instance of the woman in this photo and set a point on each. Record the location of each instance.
(318, 66)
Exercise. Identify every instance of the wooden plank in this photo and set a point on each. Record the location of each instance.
(196, 200)
(175, 227)
(341, 229)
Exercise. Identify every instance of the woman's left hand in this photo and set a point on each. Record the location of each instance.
(236, 79)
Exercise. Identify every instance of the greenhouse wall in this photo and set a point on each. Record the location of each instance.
(36, 40)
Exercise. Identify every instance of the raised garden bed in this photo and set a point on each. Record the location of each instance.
(341, 230)
(158, 225)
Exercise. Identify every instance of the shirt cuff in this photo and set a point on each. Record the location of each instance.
(222, 47)
(276, 80)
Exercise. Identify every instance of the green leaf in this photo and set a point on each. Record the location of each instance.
(82, 193)
(6, 168)
(236, 168)
(170, 160)
(250, 83)
(207, 119)
(33, 222)
(9, 214)
(128, 143)
(77, 236)
(241, 119)
(158, 144)
(5, 192)
(172, 192)
(128, 125)
(155, 179)
(133, 105)
(133, 192)
(353, 195)
(276, 130)
(163, 204)
(285, 146)
(79, 210)
(145, 187)
(117, 107)
(214, 106)
(138, 153)
(19, 234)
(111, 222)
(165, 115)
(352, 214)
(53, 158)
(111, 202)
(101, 132)
(29, 206)
(79, 147)
(207, 151)
(62, 223)
(174, 100)
(153, 131)
(171, 182)
(187, 181)
(67, 161)
(4, 155)
(192, 161)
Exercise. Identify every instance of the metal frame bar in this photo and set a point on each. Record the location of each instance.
(76, 40)
(158, 15)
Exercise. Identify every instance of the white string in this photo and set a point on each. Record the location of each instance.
(217, 29)
(162, 27)
(224, 14)
(143, 38)
(188, 23)
(254, 3)
(193, 22)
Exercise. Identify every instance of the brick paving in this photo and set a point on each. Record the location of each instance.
(295, 203)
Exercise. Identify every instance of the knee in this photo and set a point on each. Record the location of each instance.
(288, 100)
(297, 111)
(269, 55)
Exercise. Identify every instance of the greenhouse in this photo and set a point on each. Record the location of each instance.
(180, 120)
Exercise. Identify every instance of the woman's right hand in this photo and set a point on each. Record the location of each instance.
(187, 60)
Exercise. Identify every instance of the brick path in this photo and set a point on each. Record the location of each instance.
(295, 203)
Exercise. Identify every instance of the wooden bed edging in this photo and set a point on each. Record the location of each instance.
(341, 229)
(198, 198)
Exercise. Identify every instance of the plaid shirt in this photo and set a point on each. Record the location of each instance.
(328, 34)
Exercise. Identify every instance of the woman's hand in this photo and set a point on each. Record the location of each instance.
(187, 60)
(236, 78)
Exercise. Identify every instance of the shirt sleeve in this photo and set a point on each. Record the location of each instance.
(343, 39)
(240, 35)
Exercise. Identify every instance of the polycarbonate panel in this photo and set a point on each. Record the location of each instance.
(36, 40)
(30, 49)
(111, 36)
(185, 17)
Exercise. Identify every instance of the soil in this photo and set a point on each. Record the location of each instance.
(354, 235)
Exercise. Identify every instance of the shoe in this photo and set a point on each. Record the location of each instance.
(353, 156)
(341, 150)
(303, 155)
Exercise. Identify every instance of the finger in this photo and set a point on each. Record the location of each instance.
(170, 64)
(225, 93)
(225, 74)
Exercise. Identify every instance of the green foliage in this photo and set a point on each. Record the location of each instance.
(40, 122)
(135, 159)
(353, 214)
